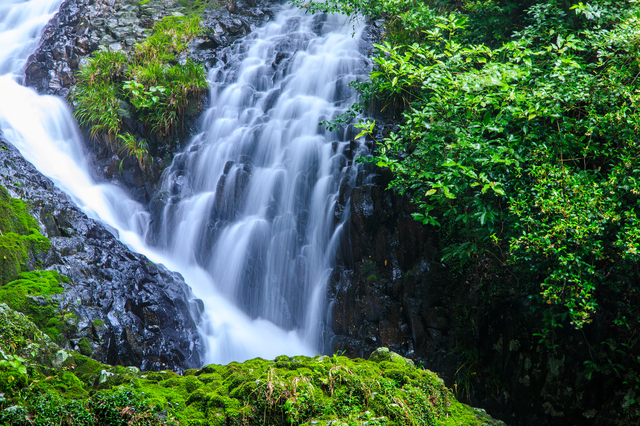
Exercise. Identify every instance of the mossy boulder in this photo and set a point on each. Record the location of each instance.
(19, 337)
(384, 354)
(304, 390)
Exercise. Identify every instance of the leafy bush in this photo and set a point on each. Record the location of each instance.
(521, 144)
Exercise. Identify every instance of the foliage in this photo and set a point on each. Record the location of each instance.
(134, 148)
(491, 21)
(521, 142)
(121, 407)
(150, 83)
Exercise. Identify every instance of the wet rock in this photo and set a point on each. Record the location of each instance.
(131, 311)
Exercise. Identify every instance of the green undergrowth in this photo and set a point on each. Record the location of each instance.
(153, 84)
(20, 239)
(43, 385)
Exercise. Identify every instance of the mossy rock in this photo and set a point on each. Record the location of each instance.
(287, 391)
(21, 337)
(20, 239)
(384, 354)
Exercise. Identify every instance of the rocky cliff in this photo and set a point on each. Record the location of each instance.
(84, 26)
(130, 310)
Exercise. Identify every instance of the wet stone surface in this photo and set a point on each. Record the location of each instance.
(132, 311)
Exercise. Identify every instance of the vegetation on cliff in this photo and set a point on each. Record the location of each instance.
(519, 138)
(155, 85)
(20, 239)
(23, 286)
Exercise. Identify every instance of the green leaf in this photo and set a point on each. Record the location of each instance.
(486, 119)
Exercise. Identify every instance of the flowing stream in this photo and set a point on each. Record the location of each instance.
(248, 211)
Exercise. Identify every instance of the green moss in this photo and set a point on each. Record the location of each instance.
(29, 292)
(85, 347)
(31, 295)
(385, 355)
(19, 237)
(86, 369)
(64, 384)
(301, 390)
(457, 413)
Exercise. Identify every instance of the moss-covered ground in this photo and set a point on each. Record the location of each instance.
(59, 387)
(41, 384)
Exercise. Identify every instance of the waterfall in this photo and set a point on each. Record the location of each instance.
(252, 199)
(247, 213)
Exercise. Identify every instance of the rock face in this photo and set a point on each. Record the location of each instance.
(131, 311)
(81, 27)
(383, 292)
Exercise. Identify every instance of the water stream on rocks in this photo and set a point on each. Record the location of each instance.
(247, 213)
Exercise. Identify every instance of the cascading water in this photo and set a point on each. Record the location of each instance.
(253, 198)
(42, 128)
(250, 216)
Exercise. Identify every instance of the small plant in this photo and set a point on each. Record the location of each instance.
(134, 148)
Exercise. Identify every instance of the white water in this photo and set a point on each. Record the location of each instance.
(256, 247)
